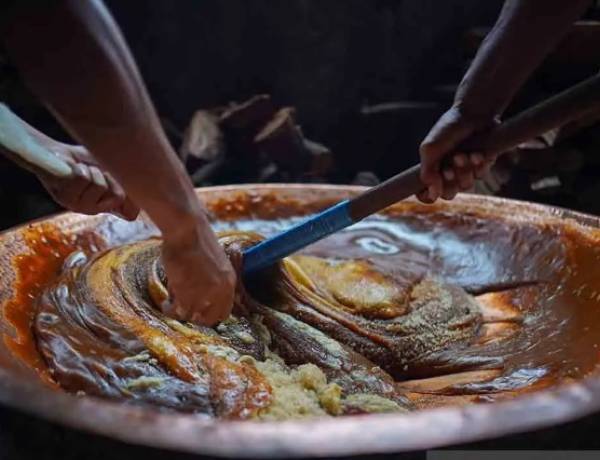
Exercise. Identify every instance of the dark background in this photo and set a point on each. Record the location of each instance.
(367, 79)
(330, 59)
(337, 62)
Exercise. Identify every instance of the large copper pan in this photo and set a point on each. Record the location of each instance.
(21, 388)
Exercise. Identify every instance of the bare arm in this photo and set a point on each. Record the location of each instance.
(68, 172)
(74, 57)
(525, 33)
(72, 54)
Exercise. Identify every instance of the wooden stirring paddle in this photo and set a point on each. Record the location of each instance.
(563, 108)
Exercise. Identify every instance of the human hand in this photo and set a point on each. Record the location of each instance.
(89, 189)
(68, 172)
(445, 169)
(200, 277)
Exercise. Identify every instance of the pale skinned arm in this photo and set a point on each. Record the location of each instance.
(73, 56)
(86, 189)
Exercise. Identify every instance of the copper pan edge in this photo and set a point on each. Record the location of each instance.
(387, 433)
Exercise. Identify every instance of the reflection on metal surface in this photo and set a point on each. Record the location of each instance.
(559, 307)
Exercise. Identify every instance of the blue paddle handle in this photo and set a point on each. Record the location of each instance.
(269, 251)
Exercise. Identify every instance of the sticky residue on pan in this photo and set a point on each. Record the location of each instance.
(413, 309)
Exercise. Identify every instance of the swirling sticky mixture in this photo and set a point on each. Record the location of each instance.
(359, 323)
(316, 340)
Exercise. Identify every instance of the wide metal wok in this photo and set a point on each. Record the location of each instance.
(21, 388)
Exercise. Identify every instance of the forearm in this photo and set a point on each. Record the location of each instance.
(526, 31)
(73, 56)
(28, 147)
(8, 116)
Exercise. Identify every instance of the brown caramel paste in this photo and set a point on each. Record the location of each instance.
(409, 310)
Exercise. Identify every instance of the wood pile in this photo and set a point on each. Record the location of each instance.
(252, 141)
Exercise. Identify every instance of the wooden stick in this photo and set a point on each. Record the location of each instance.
(568, 105)
(563, 108)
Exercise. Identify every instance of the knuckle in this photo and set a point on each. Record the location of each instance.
(429, 147)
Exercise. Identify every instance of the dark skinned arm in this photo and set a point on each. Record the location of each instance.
(524, 34)
(73, 56)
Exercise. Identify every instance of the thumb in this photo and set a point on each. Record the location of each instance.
(447, 134)
(129, 210)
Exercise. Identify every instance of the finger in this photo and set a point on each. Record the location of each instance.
(445, 136)
(96, 191)
(460, 160)
(199, 314)
(209, 319)
(482, 170)
(97, 177)
(81, 154)
(430, 164)
(80, 181)
(129, 210)
(82, 172)
(70, 190)
(477, 159)
(108, 204)
(487, 167)
(116, 207)
(432, 192)
(184, 308)
(102, 197)
(424, 197)
(435, 190)
(69, 160)
(450, 191)
(212, 315)
(463, 170)
(449, 175)
(209, 309)
(114, 186)
(465, 179)
(478, 162)
(123, 209)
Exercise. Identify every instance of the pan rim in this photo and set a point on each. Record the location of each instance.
(375, 433)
